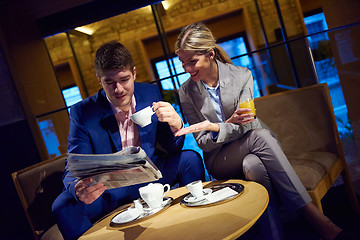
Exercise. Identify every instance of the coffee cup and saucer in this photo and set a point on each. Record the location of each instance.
(197, 192)
(153, 195)
(152, 201)
(130, 214)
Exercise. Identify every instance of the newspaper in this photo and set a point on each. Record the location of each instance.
(127, 167)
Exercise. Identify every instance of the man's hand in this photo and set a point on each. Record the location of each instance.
(198, 127)
(88, 194)
(241, 116)
(166, 113)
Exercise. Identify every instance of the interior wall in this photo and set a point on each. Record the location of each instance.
(31, 70)
(18, 150)
(310, 5)
(64, 75)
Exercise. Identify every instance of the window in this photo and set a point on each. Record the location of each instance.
(316, 23)
(235, 47)
(50, 138)
(162, 72)
(325, 66)
(71, 96)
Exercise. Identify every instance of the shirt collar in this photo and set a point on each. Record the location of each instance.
(211, 88)
(117, 110)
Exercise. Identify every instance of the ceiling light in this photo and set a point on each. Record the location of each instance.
(166, 4)
(85, 30)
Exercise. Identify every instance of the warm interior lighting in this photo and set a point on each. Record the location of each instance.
(85, 30)
(166, 4)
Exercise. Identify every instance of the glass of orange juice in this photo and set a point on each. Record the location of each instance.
(246, 100)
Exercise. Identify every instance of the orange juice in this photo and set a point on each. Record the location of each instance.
(249, 103)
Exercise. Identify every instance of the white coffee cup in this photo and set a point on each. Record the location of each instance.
(196, 188)
(138, 204)
(143, 117)
(153, 194)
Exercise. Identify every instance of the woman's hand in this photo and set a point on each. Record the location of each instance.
(88, 194)
(166, 113)
(198, 127)
(241, 116)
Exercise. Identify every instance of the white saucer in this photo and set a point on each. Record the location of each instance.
(127, 216)
(132, 214)
(191, 199)
(155, 210)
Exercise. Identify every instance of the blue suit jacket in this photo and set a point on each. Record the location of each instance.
(94, 129)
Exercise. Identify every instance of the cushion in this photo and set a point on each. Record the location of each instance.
(311, 166)
(41, 184)
(52, 233)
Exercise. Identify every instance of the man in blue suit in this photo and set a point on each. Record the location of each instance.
(100, 124)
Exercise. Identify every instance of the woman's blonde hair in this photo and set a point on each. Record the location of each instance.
(198, 38)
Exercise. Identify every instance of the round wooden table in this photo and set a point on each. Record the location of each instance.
(227, 220)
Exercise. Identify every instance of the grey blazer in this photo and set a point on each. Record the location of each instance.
(197, 107)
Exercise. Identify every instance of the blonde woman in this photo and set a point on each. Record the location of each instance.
(235, 144)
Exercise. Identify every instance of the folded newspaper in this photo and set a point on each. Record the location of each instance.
(127, 167)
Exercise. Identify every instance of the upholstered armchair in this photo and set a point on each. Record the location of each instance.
(37, 187)
(305, 124)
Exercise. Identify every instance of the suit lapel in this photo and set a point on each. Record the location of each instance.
(227, 90)
(203, 102)
(108, 121)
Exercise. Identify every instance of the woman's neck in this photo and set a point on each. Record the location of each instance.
(213, 75)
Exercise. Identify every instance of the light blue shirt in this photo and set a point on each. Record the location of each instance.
(214, 93)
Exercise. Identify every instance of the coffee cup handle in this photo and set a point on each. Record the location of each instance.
(168, 189)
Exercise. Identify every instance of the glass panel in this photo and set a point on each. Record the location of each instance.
(236, 47)
(55, 128)
(162, 71)
(326, 68)
(65, 63)
(260, 65)
(50, 138)
(262, 73)
(179, 69)
(270, 21)
(293, 23)
(71, 95)
(314, 24)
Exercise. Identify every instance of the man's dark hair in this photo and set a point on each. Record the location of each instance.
(113, 56)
